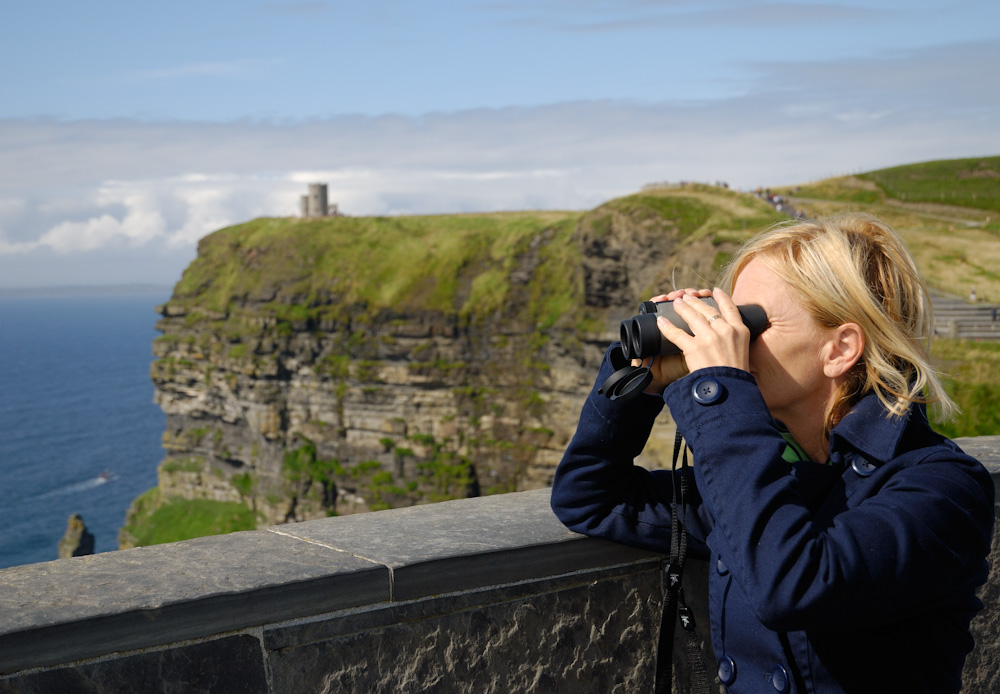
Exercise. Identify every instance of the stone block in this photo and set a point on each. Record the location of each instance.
(85, 607)
(467, 544)
(982, 666)
(230, 665)
(573, 635)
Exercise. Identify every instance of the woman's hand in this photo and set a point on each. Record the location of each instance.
(666, 370)
(719, 338)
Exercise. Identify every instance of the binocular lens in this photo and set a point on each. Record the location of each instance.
(625, 337)
(635, 346)
(641, 338)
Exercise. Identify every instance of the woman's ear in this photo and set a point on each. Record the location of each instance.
(842, 352)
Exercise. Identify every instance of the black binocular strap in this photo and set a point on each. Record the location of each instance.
(674, 607)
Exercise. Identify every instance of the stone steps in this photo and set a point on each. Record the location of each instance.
(959, 319)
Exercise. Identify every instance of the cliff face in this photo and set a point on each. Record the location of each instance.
(306, 370)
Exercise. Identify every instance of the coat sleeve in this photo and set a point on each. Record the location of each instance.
(598, 491)
(912, 538)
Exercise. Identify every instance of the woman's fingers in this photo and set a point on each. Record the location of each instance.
(718, 338)
(696, 307)
(727, 307)
(674, 334)
(677, 293)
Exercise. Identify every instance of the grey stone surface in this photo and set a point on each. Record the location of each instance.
(466, 544)
(986, 449)
(594, 636)
(232, 665)
(326, 627)
(83, 607)
(982, 666)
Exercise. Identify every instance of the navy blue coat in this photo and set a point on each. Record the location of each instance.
(856, 576)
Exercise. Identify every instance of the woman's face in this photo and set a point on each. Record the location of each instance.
(787, 358)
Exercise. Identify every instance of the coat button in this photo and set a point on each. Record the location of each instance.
(779, 679)
(862, 466)
(707, 391)
(721, 567)
(727, 670)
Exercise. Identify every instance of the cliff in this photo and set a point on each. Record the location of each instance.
(312, 367)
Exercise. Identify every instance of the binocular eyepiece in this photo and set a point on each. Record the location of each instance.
(641, 338)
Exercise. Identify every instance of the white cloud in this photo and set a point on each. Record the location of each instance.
(94, 233)
(16, 247)
(85, 187)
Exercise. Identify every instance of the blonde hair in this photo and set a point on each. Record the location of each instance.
(853, 268)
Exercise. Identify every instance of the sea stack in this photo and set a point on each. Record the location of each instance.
(78, 541)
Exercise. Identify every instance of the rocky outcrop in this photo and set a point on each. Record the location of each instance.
(292, 398)
(77, 541)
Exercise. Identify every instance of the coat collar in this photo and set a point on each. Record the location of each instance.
(870, 429)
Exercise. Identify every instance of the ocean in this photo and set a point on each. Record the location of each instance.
(79, 432)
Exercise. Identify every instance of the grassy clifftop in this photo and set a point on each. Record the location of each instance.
(525, 265)
(971, 183)
(443, 262)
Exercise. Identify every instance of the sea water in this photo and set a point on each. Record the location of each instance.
(79, 432)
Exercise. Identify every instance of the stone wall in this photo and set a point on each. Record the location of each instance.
(479, 595)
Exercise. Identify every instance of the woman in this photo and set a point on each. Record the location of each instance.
(847, 539)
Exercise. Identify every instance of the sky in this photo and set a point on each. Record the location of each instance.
(130, 130)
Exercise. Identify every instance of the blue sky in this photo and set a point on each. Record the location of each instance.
(130, 130)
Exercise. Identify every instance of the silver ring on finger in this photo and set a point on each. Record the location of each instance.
(716, 317)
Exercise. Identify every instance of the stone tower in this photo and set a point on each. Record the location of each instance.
(317, 203)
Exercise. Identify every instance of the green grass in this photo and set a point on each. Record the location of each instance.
(404, 262)
(972, 378)
(845, 190)
(962, 182)
(184, 519)
(687, 213)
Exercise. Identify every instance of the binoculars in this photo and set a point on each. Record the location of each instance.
(641, 338)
